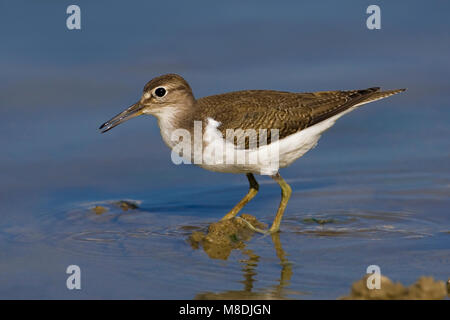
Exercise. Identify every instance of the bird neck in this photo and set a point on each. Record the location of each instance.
(174, 117)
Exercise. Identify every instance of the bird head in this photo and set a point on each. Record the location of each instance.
(161, 95)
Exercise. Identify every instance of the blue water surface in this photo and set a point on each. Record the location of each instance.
(380, 177)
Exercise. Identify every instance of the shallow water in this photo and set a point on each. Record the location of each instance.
(375, 191)
(331, 233)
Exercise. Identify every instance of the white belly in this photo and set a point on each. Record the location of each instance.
(266, 160)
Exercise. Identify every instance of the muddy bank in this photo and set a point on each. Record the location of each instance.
(425, 288)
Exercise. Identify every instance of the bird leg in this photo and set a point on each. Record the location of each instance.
(285, 195)
(253, 190)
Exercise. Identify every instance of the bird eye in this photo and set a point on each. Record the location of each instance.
(160, 92)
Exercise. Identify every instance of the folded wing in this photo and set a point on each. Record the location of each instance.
(288, 112)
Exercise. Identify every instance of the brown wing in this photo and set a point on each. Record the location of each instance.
(285, 111)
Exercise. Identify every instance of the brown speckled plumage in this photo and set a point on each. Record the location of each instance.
(266, 109)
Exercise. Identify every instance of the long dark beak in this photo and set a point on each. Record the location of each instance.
(133, 111)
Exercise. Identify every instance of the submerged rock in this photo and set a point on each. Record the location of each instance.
(425, 288)
(224, 236)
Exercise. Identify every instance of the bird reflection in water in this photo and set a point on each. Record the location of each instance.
(225, 236)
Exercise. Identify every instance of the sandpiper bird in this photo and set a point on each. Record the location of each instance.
(298, 118)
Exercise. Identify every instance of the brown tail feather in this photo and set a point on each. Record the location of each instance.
(383, 94)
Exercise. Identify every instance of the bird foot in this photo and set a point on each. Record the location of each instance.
(255, 229)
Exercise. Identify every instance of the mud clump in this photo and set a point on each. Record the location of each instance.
(108, 211)
(448, 287)
(99, 210)
(122, 204)
(126, 205)
(224, 236)
(425, 288)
